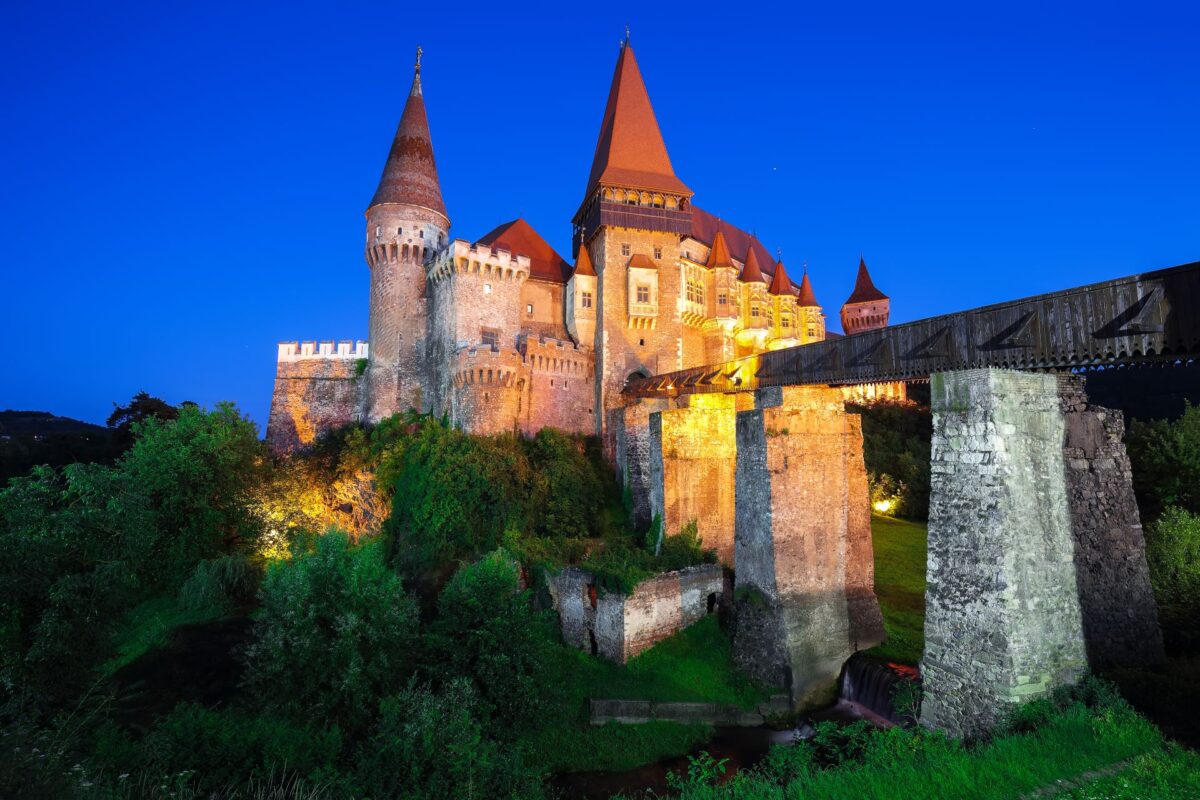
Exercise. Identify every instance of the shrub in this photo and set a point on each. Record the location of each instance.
(568, 490)
(488, 632)
(1173, 553)
(1166, 462)
(219, 584)
(335, 632)
(431, 746)
(896, 438)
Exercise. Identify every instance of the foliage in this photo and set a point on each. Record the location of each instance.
(336, 631)
(702, 770)
(219, 585)
(218, 748)
(432, 746)
(1166, 462)
(487, 632)
(899, 549)
(896, 438)
(124, 419)
(1173, 553)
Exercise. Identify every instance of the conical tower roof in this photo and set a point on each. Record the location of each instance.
(751, 271)
(630, 151)
(780, 283)
(806, 296)
(410, 175)
(583, 263)
(864, 288)
(718, 256)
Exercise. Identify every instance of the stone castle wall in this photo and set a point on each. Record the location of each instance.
(318, 386)
(561, 386)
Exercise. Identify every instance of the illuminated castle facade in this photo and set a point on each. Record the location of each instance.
(503, 333)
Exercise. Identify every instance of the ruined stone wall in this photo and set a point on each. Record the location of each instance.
(561, 386)
(801, 549)
(1002, 613)
(693, 456)
(313, 393)
(1120, 619)
(618, 627)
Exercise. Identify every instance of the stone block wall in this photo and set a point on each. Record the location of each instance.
(314, 391)
(490, 388)
(561, 386)
(1120, 619)
(627, 445)
(693, 456)
(618, 627)
(1002, 614)
(803, 548)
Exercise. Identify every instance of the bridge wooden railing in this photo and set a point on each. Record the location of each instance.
(1153, 317)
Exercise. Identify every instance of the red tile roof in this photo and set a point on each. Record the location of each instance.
(519, 238)
(864, 288)
(583, 264)
(806, 296)
(643, 261)
(410, 175)
(780, 284)
(630, 151)
(751, 272)
(705, 227)
(718, 255)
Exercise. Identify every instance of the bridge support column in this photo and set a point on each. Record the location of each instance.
(693, 454)
(805, 583)
(1120, 619)
(627, 445)
(1002, 613)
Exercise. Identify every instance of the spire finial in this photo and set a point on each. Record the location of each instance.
(418, 66)
(627, 33)
(779, 254)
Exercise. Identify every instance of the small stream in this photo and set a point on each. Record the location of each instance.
(865, 694)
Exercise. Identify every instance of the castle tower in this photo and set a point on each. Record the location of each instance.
(867, 308)
(810, 322)
(633, 213)
(782, 304)
(579, 302)
(752, 338)
(719, 330)
(406, 225)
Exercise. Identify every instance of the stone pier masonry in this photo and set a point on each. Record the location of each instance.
(1036, 558)
(804, 582)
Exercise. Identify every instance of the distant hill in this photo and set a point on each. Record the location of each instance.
(28, 438)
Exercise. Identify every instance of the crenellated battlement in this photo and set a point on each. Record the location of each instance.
(463, 258)
(485, 366)
(303, 351)
(545, 353)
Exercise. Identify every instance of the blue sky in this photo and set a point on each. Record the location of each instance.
(184, 183)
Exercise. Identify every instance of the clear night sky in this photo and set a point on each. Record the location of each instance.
(183, 184)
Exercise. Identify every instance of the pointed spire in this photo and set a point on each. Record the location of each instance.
(718, 256)
(864, 288)
(806, 296)
(410, 174)
(583, 264)
(780, 284)
(751, 271)
(630, 151)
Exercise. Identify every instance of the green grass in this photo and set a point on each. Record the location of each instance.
(148, 626)
(1173, 772)
(900, 587)
(694, 665)
(901, 763)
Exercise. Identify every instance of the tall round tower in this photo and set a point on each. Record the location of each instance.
(406, 226)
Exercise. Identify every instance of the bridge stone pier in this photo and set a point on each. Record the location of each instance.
(1033, 544)
(627, 445)
(804, 584)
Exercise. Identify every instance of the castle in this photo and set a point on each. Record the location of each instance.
(505, 334)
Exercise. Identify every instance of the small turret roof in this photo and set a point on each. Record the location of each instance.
(583, 263)
(864, 288)
(780, 283)
(410, 175)
(751, 272)
(806, 296)
(718, 256)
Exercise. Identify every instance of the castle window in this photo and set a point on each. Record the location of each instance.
(399, 231)
(687, 254)
(754, 309)
(420, 234)
(643, 293)
(490, 339)
(658, 252)
(378, 231)
(811, 332)
(786, 322)
(585, 300)
(625, 249)
(529, 309)
(695, 290)
(487, 288)
(722, 299)
(631, 198)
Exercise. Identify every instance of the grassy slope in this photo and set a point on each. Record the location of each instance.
(900, 586)
(693, 665)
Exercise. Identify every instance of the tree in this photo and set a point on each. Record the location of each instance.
(140, 408)
(1166, 462)
(336, 632)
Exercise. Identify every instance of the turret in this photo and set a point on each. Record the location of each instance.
(580, 301)
(781, 301)
(406, 226)
(810, 322)
(867, 308)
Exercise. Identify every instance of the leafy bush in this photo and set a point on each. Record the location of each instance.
(219, 584)
(431, 746)
(488, 632)
(1173, 553)
(336, 631)
(222, 748)
(896, 438)
(1166, 462)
